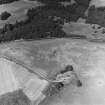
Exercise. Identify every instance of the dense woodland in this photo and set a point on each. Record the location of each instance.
(6, 1)
(80, 2)
(44, 22)
(47, 21)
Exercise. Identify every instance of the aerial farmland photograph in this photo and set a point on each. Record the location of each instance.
(52, 52)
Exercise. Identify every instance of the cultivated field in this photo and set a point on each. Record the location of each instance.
(87, 59)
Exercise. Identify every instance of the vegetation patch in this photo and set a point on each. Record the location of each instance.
(43, 22)
(14, 98)
(5, 15)
(96, 16)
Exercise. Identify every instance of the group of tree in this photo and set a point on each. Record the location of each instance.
(96, 15)
(5, 15)
(80, 2)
